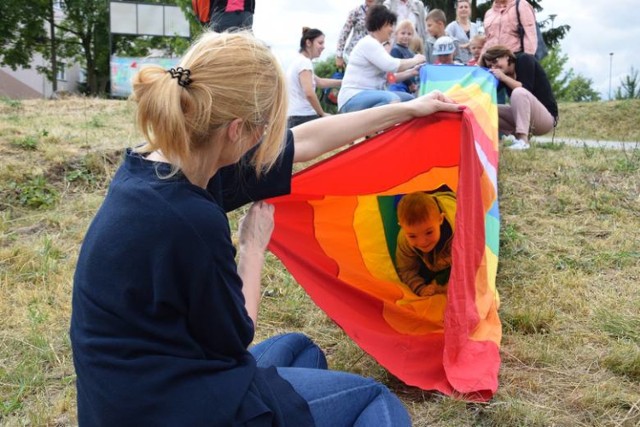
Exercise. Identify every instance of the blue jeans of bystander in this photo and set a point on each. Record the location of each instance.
(374, 98)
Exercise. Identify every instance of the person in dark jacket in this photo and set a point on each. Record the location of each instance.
(232, 15)
(162, 316)
(533, 108)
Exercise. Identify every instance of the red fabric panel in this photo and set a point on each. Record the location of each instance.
(470, 366)
(378, 164)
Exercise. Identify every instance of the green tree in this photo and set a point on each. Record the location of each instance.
(27, 28)
(325, 69)
(82, 36)
(629, 86)
(553, 65)
(580, 89)
(30, 27)
(22, 30)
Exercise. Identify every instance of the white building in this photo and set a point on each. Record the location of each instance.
(25, 83)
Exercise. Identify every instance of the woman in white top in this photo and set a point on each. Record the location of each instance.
(462, 30)
(364, 81)
(304, 105)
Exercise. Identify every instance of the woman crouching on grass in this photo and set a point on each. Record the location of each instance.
(533, 108)
(162, 315)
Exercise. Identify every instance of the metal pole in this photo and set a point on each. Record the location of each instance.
(610, 69)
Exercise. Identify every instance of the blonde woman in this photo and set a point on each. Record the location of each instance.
(162, 316)
(462, 30)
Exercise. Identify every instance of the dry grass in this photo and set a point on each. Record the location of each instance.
(568, 275)
(606, 121)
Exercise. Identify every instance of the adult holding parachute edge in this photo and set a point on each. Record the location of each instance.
(162, 316)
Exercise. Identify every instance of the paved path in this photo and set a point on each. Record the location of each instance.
(578, 142)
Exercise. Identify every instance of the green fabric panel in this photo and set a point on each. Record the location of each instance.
(387, 206)
(492, 233)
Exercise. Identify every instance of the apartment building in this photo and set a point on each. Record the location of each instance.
(26, 83)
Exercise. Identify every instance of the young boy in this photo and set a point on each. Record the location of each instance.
(436, 24)
(406, 81)
(443, 50)
(423, 253)
(475, 46)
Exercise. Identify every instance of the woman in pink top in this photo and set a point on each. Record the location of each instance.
(501, 26)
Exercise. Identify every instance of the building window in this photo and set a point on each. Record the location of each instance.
(61, 74)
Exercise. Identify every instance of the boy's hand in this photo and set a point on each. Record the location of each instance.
(428, 290)
(442, 289)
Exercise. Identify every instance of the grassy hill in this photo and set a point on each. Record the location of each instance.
(568, 274)
(607, 121)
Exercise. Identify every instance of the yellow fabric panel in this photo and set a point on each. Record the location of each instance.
(367, 224)
(414, 315)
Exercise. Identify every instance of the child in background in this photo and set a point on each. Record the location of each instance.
(423, 253)
(405, 32)
(443, 51)
(436, 24)
(417, 45)
(475, 46)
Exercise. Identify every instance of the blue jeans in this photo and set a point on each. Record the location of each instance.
(335, 398)
(374, 98)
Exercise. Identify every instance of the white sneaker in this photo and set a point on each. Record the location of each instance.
(519, 145)
(509, 138)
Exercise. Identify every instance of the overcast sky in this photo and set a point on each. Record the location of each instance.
(598, 27)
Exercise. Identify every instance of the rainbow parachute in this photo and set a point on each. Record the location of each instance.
(336, 234)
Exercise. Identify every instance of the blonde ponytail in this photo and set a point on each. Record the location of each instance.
(233, 76)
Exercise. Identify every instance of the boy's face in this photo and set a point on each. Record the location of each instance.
(444, 59)
(404, 36)
(435, 28)
(424, 235)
